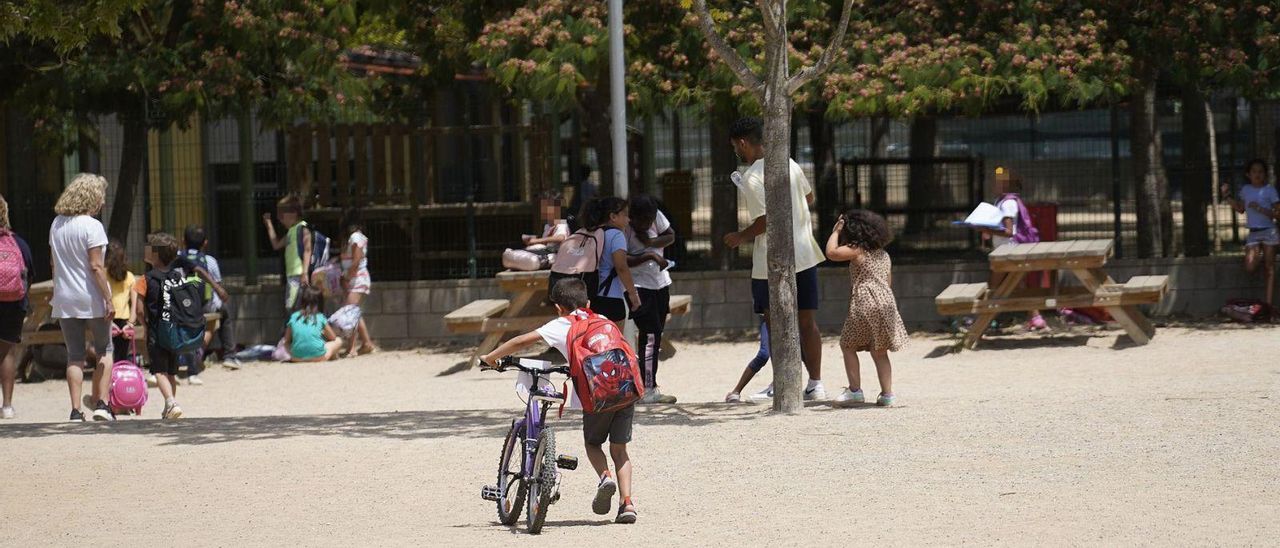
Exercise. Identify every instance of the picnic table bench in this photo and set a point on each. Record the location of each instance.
(1084, 259)
(525, 311)
(38, 315)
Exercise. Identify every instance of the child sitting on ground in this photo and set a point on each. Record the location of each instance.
(308, 335)
(570, 297)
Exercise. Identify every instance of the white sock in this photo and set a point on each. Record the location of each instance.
(813, 384)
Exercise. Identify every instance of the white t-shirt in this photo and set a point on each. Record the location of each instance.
(356, 239)
(75, 295)
(649, 275)
(556, 333)
(1008, 210)
(807, 254)
(1266, 197)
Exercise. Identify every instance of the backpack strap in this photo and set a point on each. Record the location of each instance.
(613, 274)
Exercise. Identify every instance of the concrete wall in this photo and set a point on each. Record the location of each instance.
(404, 314)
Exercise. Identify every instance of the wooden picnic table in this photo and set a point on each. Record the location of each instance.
(526, 310)
(38, 314)
(1084, 259)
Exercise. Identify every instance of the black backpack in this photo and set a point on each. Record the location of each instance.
(179, 323)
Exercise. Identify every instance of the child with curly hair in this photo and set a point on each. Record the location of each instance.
(873, 324)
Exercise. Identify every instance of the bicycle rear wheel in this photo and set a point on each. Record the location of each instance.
(543, 486)
(511, 483)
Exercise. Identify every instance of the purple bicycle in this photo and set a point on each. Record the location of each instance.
(528, 466)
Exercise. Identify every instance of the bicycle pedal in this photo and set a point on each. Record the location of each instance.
(490, 493)
(567, 462)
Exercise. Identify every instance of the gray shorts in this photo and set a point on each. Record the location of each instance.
(1262, 236)
(614, 426)
(73, 332)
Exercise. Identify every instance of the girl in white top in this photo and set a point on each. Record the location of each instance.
(1009, 184)
(1258, 201)
(355, 277)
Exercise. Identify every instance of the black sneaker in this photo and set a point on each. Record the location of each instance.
(102, 412)
(76, 416)
(626, 513)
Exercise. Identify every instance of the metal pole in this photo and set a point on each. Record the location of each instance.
(469, 174)
(168, 199)
(617, 100)
(1115, 178)
(248, 216)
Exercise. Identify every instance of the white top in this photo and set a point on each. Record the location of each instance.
(808, 253)
(1008, 210)
(559, 228)
(356, 239)
(649, 275)
(556, 333)
(1265, 197)
(75, 295)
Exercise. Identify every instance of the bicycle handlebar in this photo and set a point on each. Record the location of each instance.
(510, 362)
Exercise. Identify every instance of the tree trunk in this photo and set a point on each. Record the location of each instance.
(879, 148)
(724, 196)
(920, 182)
(132, 157)
(784, 331)
(595, 114)
(1148, 173)
(1196, 174)
(826, 169)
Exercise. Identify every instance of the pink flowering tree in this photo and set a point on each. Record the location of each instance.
(557, 51)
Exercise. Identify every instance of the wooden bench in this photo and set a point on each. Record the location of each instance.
(1084, 259)
(39, 315)
(523, 312)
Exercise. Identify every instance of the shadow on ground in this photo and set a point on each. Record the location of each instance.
(411, 425)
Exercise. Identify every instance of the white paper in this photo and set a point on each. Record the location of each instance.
(985, 215)
(737, 179)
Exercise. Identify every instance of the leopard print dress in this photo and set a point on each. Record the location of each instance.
(873, 322)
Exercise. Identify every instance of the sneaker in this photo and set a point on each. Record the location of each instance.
(103, 413)
(76, 416)
(626, 513)
(1037, 323)
(815, 391)
(6, 412)
(733, 397)
(849, 398)
(885, 400)
(654, 395)
(171, 411)
(195, 380)
(604, 496)
(765, 394)
(231, 363)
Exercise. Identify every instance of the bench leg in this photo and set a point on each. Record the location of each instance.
(977, 329)
(1133, 322)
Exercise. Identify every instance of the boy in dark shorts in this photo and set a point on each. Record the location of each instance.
(162, 254)
(570, 297)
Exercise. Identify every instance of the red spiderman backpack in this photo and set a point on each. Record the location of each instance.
(604, 369)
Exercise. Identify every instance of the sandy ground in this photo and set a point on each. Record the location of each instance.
(1035, 440)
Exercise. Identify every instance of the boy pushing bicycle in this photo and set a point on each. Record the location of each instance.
(570, 297)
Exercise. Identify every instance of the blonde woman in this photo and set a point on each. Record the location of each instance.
(15, 282)
(81, 292)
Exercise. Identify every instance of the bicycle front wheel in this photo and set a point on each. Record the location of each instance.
(511, 484)
(543, 486)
